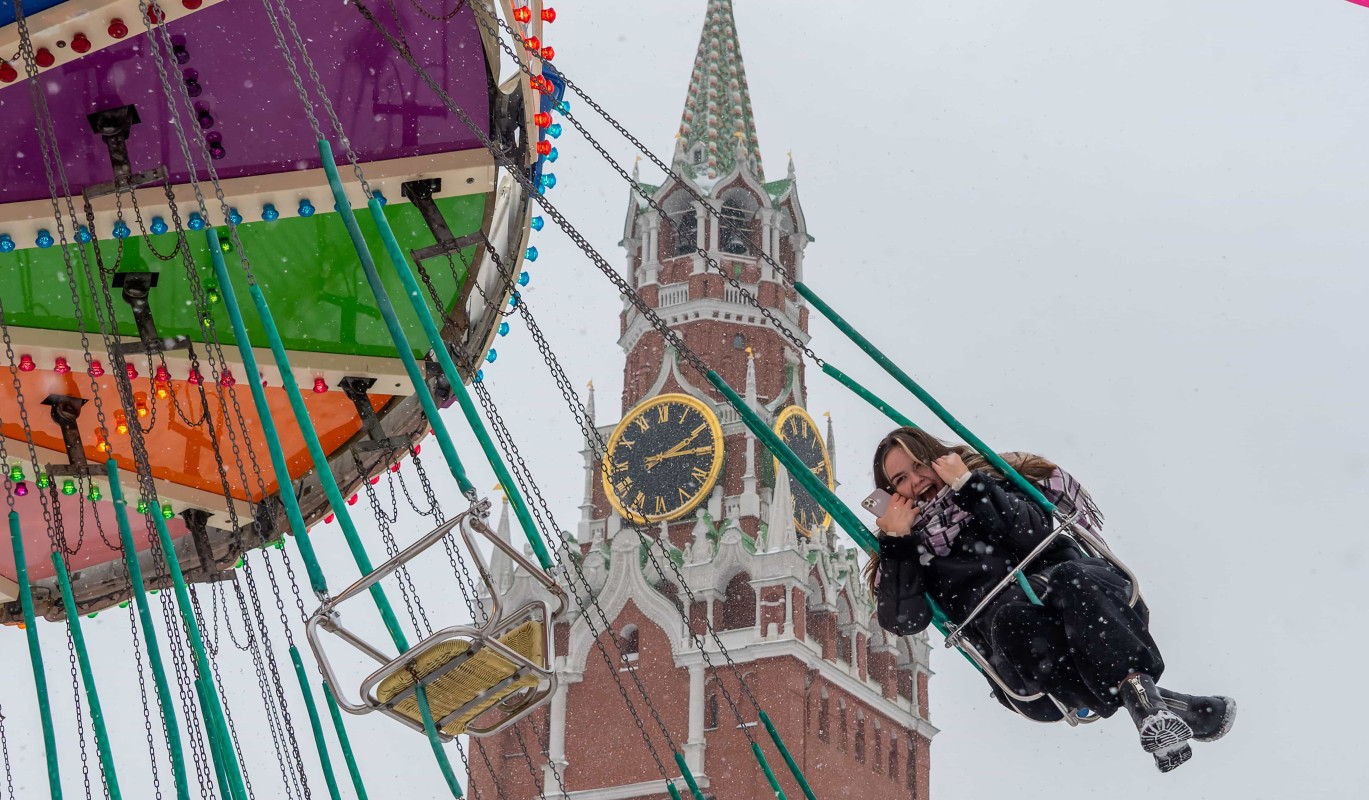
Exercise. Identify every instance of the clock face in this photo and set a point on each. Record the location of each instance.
(663, 458)
(800, 433)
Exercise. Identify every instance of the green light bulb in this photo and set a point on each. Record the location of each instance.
(94, 493)
(142, 506)
(68, 487)
(167, 513)
(43, 480)
(16, 473)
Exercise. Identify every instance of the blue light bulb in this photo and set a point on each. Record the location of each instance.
(7, 244)
(554, 130)
(523, 278)
(553, 155)
(269, 212)
(196, 222)
(158, 226)
(121, 230)
(491, 356)
(563, 106)
(530, 254)
(548, 180)
(45, 239)
(503, 329)
(513, 301)
(83, 235)
(306, 208)
(538, 223)
(479, 375)
(380, 198)
(234, 217)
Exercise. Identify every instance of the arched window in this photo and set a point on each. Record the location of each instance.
(739, 607)
(841, 725)
(824, 717)
(911, 768)
(893, 757)
(860, 737)
(879, 747)
(711, 713)
(736, 231)
(682, 225)
(627, 644)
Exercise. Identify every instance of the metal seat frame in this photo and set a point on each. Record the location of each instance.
(1088, 543)
(497, 624)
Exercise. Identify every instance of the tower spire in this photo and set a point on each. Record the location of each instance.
(718, 125)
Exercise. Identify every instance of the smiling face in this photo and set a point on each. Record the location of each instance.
(909, 477)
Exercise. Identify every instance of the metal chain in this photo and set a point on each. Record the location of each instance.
(743, 292)
(407, 590)
(147, 705)
(147, 240)
(5, 754)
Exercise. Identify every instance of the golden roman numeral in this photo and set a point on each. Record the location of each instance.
(699, 474)
(642, 423)
(660, 505)
(663, 413)
(622, 486)
(684, 496)
(639, 500)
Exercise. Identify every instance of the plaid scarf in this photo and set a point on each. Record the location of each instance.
(940, 519)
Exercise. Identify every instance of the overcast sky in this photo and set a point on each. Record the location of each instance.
(1129, 236)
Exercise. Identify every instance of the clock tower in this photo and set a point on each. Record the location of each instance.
(758, 557)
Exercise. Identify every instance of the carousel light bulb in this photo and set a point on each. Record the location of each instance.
(542, 119)
(269, 212)
(68, 487)
(543, 147)
(94, 493)
(320, 385)
(131, 371)
(21, 489)
(538, 223)
(102, 440)
(26, 363)
(60, 365)
(140, 405)
(117, 29)
(194, 378)
(16, 472)
(351, 501)
(167, 512)
(8, 74)
(121, 422)
(523, 14)
(7, 244)
(234, 217)
(306, 208)
(226, 378)
(329, 519)
(44, 239)
(547, 53)
(142, 506)
(492, 355)
(43, 480)
(503, 329)
(554, 130)
(195, 222)
(83, 235)
(96, 369)
(553, 155)
(530, 254)
(80, 43)
(121, 230)
(159, 226)
(548, 15)
(479, 375)
(211, 292)
(523, 278)
(532, 43)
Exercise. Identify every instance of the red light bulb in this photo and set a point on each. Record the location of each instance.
(121, 422)
(329, 519)
(320, 386)
(542, 119)
(7, 73)
(60, 366)
(96, 369)
(131, 371)
(548, 53)
(394, 467)
(532, 43)
(543, 147)
(155, 14)
(351, 501)
(117, 29)
(523, 14)
(26, 363)
(194, 379)
(192, 4)
(80, 43)
(375, 479)
(226, 378)
(44, 58)
(548, 15)
(140, 405)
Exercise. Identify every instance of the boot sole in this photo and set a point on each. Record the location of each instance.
(1171, 760)
(1228, 719)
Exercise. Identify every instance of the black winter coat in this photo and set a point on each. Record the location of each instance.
(1004, 526)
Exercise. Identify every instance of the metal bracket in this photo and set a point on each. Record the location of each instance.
(137, 291)
(355, 388)
(66, 411)
(197, 520)
(114, 126)
(420, 193)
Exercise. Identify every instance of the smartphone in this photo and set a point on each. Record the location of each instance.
(877, 503)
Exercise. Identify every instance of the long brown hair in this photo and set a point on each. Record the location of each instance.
(925, 448)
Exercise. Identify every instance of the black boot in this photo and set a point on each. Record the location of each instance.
(1163, 734)
(1209, 717)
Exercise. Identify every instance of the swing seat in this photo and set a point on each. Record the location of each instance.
(478, 680)
(464, 679)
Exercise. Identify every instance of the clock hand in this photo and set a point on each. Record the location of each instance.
(652, 461)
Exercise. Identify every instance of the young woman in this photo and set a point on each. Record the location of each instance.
(955, 528)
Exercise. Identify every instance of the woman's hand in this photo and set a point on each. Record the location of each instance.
(899, 519)
(950, 468)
